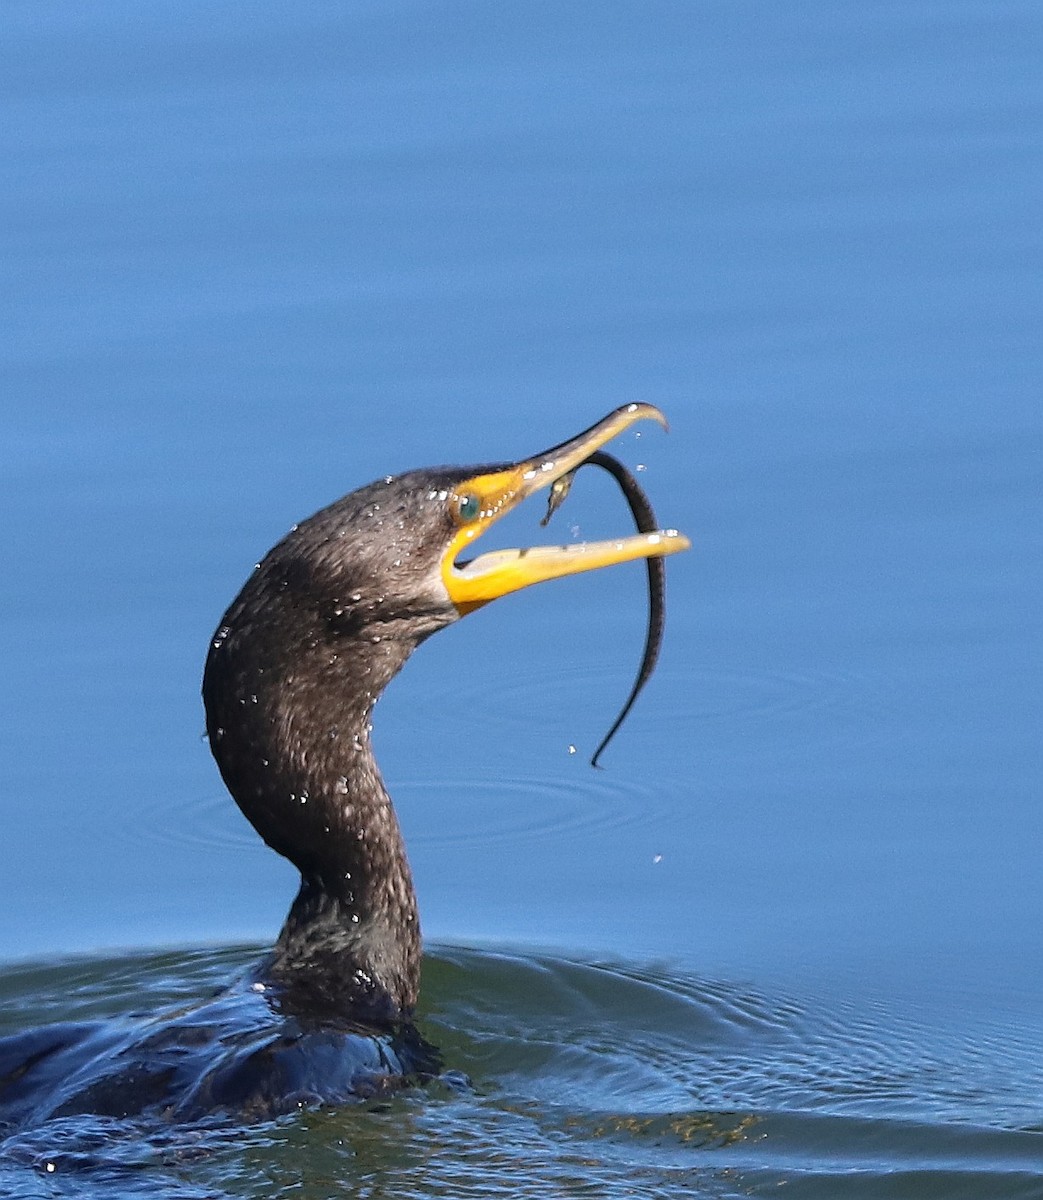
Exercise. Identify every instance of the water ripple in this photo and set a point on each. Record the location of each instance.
(525, 809)
(208, 822)
(588, 1078)
(695, 693)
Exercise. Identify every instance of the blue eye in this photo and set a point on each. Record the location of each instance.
(469, 506)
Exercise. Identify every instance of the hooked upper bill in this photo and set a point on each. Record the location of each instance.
(481, 501)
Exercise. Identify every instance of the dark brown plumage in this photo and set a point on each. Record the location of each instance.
(293, 671)
(297, 663)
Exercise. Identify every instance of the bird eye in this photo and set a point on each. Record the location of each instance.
(468, 506)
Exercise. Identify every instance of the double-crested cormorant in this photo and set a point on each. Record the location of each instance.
(301, 656)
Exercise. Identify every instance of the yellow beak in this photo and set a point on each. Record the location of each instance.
(485, 498)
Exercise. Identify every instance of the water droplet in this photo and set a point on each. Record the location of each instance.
(354, 918)
(640, 467)
(657, 858)
(572, 749)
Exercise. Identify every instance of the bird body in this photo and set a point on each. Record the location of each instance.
(235, 1055)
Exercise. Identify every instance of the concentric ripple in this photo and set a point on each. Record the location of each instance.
(519, 810)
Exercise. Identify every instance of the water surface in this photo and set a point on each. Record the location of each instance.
(256, 257)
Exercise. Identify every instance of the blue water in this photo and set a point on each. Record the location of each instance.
(255, 256)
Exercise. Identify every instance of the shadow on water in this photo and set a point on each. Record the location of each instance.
(585, 1079)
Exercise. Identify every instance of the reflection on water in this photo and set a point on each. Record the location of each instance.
(602, 1078)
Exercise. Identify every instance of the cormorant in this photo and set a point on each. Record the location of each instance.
(299, 659)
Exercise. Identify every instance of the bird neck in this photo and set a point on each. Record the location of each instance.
(300, 765)
(351, 940)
